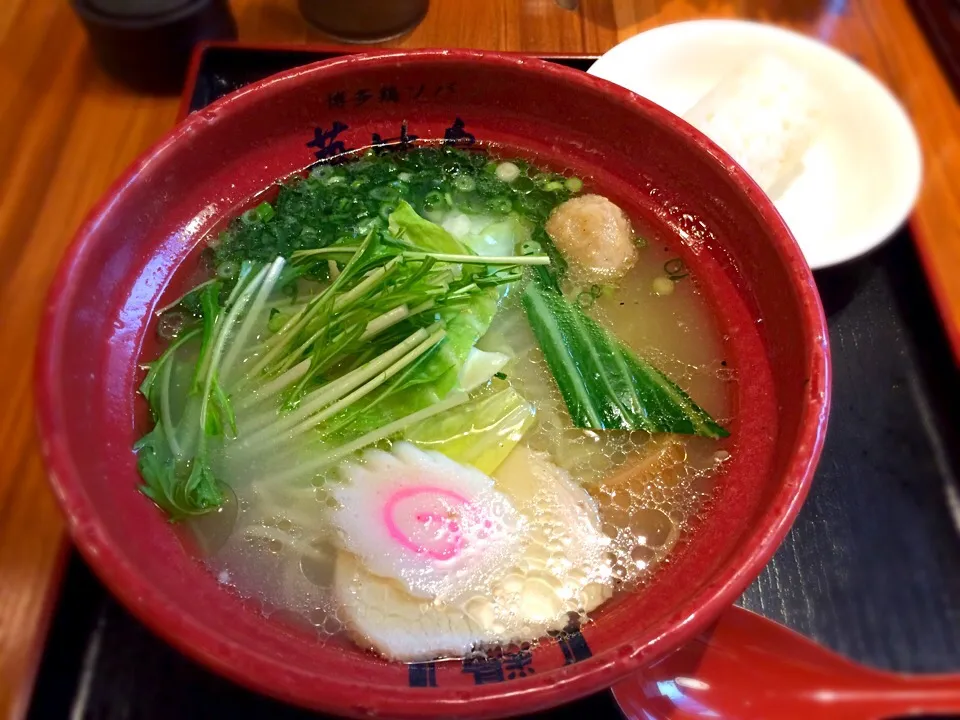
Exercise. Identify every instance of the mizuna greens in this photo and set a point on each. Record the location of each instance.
(381, 346)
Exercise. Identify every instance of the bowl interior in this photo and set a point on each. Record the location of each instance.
(643, 158)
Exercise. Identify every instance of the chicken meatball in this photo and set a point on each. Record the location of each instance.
(594, 235)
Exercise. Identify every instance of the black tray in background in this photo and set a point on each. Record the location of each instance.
(871, 568)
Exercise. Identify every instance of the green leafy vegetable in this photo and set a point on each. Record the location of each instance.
(481, 433)
(466, 322)
(174, 457)
(604, 385)
(479, 367)
(418, 231)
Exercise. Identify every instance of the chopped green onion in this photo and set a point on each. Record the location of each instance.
(385, 192)
(500, 205)
(675, 269)
(530, 247)
(523, 184)
(365, 226)
(276, 321)
(434, 200)
(227, 270)
(663, 285)
(507, 172)
(464, 183)
(265, 211)
(171, 324)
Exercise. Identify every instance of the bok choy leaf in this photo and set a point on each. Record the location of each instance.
(603, 383)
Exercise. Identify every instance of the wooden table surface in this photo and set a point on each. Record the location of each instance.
(66, 130)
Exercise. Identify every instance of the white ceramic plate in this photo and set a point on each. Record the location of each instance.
(861, 175)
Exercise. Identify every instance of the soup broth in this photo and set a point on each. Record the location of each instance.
(532, 507)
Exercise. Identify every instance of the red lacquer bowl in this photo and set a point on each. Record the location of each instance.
(644, 158)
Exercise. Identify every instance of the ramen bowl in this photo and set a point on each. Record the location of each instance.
(96, 324)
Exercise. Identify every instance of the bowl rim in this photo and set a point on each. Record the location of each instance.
(250, 669)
